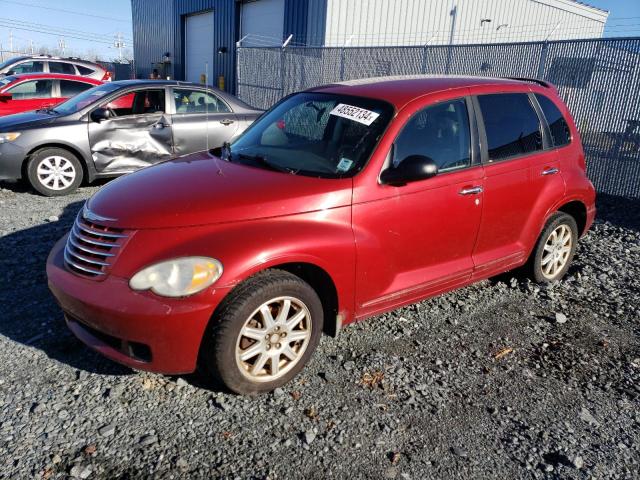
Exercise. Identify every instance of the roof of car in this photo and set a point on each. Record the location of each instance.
(55, 76)
(141, 82)
(399, 90)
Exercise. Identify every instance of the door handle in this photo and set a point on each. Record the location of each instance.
(471, 191)
(550, 171)
(226, 122)
(160, 126)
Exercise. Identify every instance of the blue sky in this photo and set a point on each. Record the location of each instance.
(89, 26)
(624, 16)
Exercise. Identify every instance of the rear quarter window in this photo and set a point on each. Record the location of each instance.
(84, 70)
(560, 132)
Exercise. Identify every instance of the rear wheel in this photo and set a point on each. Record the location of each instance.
(54, 172)
(555, 249)
(264, 333)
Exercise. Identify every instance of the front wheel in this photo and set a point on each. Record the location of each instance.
(264, 333)
(54, 172)
(555, 249)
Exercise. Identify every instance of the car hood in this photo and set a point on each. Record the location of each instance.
(200, 189)
(22, 121)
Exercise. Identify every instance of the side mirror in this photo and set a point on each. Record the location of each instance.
(100, 114)
(411, 169)
(5, 97)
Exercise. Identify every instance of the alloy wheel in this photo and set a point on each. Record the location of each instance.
(556, 251)
(273, 339)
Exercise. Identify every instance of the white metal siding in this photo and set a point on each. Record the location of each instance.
(262, 22)
(420, 22)
(198, 46)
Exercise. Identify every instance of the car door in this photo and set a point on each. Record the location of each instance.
(417, 239)
(137, 134)
(200, 120)
(28, 95)
(512, 137)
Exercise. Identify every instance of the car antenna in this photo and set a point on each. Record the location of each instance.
(206, 106)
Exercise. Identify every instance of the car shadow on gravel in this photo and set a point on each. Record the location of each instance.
(30, 315)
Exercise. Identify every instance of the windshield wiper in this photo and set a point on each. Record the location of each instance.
(49, 110)
(264, 162)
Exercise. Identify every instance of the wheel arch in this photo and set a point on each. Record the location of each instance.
(317, 277)
(578, 210)
(87, 173)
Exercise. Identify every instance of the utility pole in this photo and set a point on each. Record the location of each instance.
(119, 44)
(62, 45)
(11, 41)
(31, 45)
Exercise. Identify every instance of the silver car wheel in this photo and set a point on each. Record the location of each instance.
(556, 251)
(56, 172)
(273, 339)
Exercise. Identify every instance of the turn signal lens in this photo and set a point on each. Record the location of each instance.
(8, 137)
(179, 277)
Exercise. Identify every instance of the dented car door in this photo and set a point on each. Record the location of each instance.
(136, 134)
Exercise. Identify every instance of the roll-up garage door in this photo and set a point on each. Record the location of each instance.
(262, 22)
(198, 46)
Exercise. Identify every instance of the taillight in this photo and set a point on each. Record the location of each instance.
(107, 77)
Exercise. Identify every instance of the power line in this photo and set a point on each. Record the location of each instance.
(51, 30)
(115, 19)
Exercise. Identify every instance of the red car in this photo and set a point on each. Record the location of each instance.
(34, 91)
(339, 203)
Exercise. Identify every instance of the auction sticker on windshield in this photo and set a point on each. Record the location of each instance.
(357, 114)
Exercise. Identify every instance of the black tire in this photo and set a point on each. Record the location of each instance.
(54, 185)
(534, 268)
(218, 351)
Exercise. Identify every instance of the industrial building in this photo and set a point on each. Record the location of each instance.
(196, 40)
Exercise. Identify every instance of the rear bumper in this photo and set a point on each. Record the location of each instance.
(11, 158)
(138, 329)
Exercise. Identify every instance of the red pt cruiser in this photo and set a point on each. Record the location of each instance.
(339, 203)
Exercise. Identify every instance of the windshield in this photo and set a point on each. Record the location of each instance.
(314, 134)
(4, 81)
(84, 99)
(9, 62)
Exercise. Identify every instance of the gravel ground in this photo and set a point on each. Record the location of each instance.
(503, 379)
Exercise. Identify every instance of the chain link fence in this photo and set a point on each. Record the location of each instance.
(599, 79)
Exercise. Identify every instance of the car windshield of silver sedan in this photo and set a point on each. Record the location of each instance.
(84, 99)
(314, 134)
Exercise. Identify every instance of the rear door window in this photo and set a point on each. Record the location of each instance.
(511, 124)
(28, 67)
(69, 88)
(560, 133)
(61, 67)
(198, 101)
(32, 89)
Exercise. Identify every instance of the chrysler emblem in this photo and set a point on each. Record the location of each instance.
(94, 217)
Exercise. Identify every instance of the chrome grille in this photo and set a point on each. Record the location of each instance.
(91, 248)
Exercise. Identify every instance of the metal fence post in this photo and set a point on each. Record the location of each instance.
(342, 63)
(423, 69)
(543, 60)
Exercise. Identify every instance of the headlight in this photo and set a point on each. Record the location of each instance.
(8, 137)
(179, 277)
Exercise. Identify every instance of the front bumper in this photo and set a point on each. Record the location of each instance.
(138, 329)
(11, 158)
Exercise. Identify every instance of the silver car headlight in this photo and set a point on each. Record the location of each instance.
(179, 277)
(8, 137)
